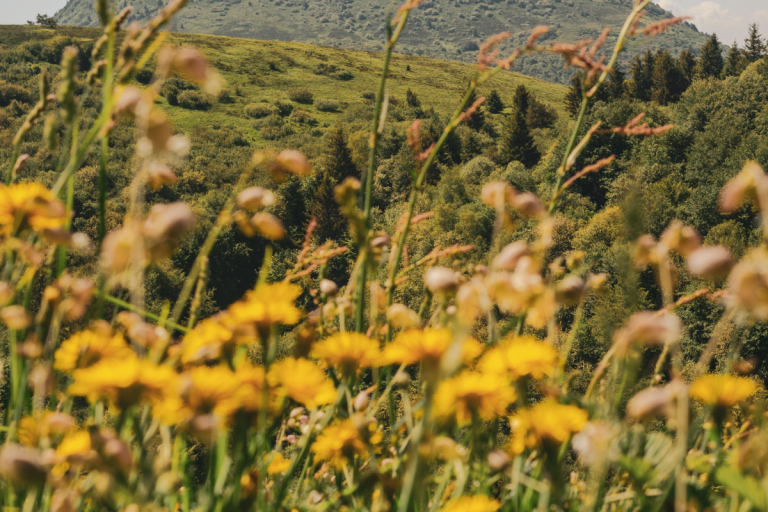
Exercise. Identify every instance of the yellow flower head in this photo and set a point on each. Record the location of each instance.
(86, 348)
(278, 465)
(339, 443)
(722, 390)
(128, 383)
(26, 206)
(349, 351)
(32, 429)
(303, 381)
(75, 445)
(208, 341)
(415, 345)
(546, 422)
(201, 391)
(270, 304)
(521, 357)
(471, 393)
(478, 503)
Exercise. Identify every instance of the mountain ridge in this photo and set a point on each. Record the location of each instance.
(444, 29)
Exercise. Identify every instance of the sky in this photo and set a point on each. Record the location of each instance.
(727, 18)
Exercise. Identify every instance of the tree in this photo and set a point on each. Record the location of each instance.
(574, 96)
(711, 60)
(642, 76)
(686, 62)
(617, 86)
(754, 46)
(331, 223)
(292, 209)
(493, 103)
(734, 62)
(666, 79)
(521, 99)
(46, 21)
(517, 143)
(338, 158)
(412, 100)
(478, 118)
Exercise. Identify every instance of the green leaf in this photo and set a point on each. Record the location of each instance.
(745, 486)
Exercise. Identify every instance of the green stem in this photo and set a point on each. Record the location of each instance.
(141, 312)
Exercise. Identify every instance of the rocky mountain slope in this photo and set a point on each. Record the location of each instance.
(445, 29)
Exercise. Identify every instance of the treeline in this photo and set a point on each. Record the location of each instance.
(661, 78)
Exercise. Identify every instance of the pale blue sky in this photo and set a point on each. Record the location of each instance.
(728, 18)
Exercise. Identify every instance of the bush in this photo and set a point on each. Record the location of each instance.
(270, 120)
(344, 75)
(10, 92)
(284, 107)
(325, 105)
(369, 96)
(259, 110)
(144, 76)
(302, 117)
(300, 95)
(224, 96)
(477, 170)
(171, 94)
(194, 100)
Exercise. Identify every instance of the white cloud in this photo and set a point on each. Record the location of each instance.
(670, 5)
(712, 17)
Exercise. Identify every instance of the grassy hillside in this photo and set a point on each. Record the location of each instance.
(445, 29)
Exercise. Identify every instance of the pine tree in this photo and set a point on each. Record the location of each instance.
(574, 96)
(331, 223)
(292, 209)
(617, 86)
(478, 118)
(517, 143)
(493, 103)
(711, 60)
(686, 62)
(338, 159)
(642, 76)
(754, 46)
(734, 62)
(521, 99)
(666, 79)
(412, 100)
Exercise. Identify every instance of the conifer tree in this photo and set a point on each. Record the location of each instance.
(711, 60)
(338, 159)
(521, 99)
(331, 223)
(754, 46)
(494, 103)
(517, 143)
(411, 99)
(292, 208)
(734, 62)
(617, 86)
(642, 76)
(478, 118)
(686, 62)
(574, 96)
(666, 79)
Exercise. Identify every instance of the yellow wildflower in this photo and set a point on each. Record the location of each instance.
(722, 390)
(338, 444)
(201, 391)
(86, 348)
(32, 429)
(521, 357)
(349, 351)
(249, 394)
(478, 503)
(471, 393)
(208, 341)
(303, 381)
(270, 304)
(26, 206)
(546, 422)
(414, 345)
(278, 465)
(75, 445)
(131, 382)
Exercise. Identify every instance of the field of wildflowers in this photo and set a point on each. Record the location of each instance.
(375, 406)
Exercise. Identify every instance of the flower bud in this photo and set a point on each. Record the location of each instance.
(509, 256)
(296, 411)
(293, 161)
(268, 226)
(15, 317)
(21, 465)
(645, 251)
(441, 280)
(291, 438)
(117, 453)
(159, 175)
(528, 204)
(447, 449)
(63, 500)
(361, 401)
(681, 238)
(648, 328)
(570, 290)
(710, 262)
(498, 461)
(128, 100)
(497, 192)
(400, 316)
(401, 379)
(255, 198)
(328, 288)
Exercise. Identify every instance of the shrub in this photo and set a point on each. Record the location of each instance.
(343, 74)
(171, 93)
(270, 120)
(325, 105)
(144, 76)
(259, 110)
(325, 69)
(10, 92)
(302, 117)
(284, 107)
(224, 96)
(194, 100)
(300, 95)
(477, 170)
(370, 96)
(270, 132)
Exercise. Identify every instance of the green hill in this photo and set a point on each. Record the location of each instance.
(443, 29)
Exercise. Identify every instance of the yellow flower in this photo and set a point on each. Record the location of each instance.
(415, 345)
(86, 348)
(338, 444)
(208, 341)
(521, 357)
(32, 429)
(270, 304)
(201, 391)
(77, 444)
(478, 503)
(278, 464)
(303, 381)
(471, 393)
(722, 390)
(26, 206)
(127, 383)
(546, 422)
(349, 351)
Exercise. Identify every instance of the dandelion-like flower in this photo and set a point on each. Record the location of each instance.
(415, 345)
(131, 382)
(523, 356)
(270, 304)
(547, 423)
(202, 391)
(477, 503)
(303, 381)
(722, 390)
(208, 341)
(348, 351)
(339, 443)
(86, 348)
(76, 445)
(278, 465)
(472, 393)
(25, 206)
